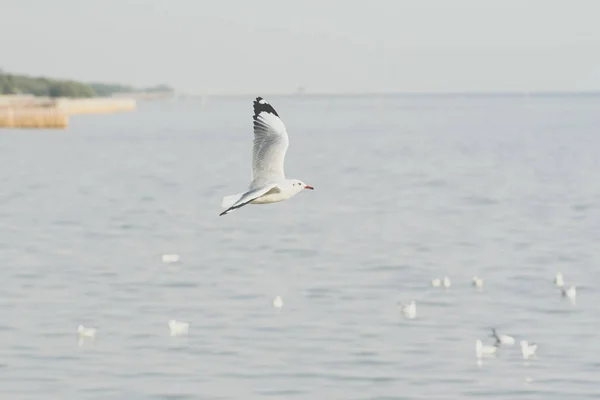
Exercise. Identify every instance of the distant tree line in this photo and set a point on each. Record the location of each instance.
(41, 86)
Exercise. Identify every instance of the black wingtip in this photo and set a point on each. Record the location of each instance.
(494, 334)
(261, 105)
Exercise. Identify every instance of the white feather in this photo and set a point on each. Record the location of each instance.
(228, 201)
(269, 148)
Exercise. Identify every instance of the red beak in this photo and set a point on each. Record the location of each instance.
(309, 187)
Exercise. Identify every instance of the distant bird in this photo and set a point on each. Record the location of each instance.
(570, 293)
(409, 310)
(269, 184)
(436, 282)
(446, 282)
(178, 328)
(481, 350)
(84, 332)
(502, 339)
(170, 258)
(558, 280)
(477, 282)
(528, 350)
(278, 302)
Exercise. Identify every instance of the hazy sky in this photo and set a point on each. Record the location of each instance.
(266, 46)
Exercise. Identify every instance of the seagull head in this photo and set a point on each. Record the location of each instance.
(298, 185)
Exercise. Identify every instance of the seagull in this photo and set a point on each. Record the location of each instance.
(268, 184)
(446, 282)
(409, 310)
(528, 350)
(84, 332)
(558, 280)
(477, 282)
(481, 350)
(278, 302)
(170, 258)
(502, 339)
(436, 282)
(178, 328)
(570, 293)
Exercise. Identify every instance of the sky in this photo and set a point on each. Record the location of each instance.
(328, 46)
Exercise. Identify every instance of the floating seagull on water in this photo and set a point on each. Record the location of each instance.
(170, 258)
(570, 293)
(502, 339)
(477, 282)
(178, 328)
(278, 302)
(528, 350)
(446, 282)
(84, 332)
(558, 280)
(436, 282)
(268, 184)
(481, 350)
(409, 310)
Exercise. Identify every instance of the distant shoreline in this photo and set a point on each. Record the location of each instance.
(41, 86)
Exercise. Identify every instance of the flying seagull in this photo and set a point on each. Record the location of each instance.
(268, 184)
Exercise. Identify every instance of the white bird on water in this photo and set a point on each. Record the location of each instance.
(178, 328)
(89, 333)
(278, 302)
(269, 184)
(409, 310)
(558, 280)
(436, 282)
(477, 282)
(446, 282)
(528, 350)
(570, 293)
(481, 350)
(170, 258)
(502, 339)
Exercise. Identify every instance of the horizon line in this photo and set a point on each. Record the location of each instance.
(524, 93)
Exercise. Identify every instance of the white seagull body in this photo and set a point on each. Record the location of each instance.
(558, 280)
(570, 293)
(170, 258)
(481, 350)
(271, 142)
(409, 310)
(178, 328)
(528, 350)
(446, 282)
(278, 302)
(84, 332)
(502, 339)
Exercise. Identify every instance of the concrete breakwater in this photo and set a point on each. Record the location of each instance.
(33, 118)
(25, 111)
(95, 105)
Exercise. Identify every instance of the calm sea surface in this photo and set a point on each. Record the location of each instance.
(406, 189)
